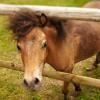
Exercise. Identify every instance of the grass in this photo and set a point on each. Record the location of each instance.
(11, 81)
(47, 2)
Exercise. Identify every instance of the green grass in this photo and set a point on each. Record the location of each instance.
(11, 87)
(47, 2)
(90, 93)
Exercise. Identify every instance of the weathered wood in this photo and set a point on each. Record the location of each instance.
(56, 75)
(59, 12)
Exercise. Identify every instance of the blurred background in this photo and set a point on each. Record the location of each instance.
(47, 2)
(11, 81)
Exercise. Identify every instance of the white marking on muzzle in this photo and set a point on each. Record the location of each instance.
(37, 73)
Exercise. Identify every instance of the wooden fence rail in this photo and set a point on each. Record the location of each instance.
(56, 75)
(60, 12)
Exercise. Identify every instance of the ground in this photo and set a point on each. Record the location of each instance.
(11, 87)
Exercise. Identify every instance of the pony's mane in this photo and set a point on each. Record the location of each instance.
(23, 21)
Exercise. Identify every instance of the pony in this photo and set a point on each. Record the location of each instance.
(60, 43)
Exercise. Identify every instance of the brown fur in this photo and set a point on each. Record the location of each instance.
(68, 41)
(22, 23)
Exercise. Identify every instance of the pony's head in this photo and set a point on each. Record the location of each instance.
(31, 32)
(31, 42)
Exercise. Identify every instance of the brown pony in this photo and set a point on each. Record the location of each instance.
(60, 43)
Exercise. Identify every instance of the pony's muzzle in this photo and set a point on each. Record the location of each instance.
(34, 85)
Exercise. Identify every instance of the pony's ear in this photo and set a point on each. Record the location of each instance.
(43, 19)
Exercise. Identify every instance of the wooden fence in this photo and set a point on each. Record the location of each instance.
(62, 13)
(56, 75)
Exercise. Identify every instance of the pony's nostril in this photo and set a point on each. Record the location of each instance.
(25, 82)
(36, 81)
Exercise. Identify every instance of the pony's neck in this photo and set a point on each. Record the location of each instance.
(54, 49)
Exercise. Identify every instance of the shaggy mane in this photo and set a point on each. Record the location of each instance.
(23, 21)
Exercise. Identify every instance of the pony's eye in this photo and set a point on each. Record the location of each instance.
(18, 47)
(44, 45)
